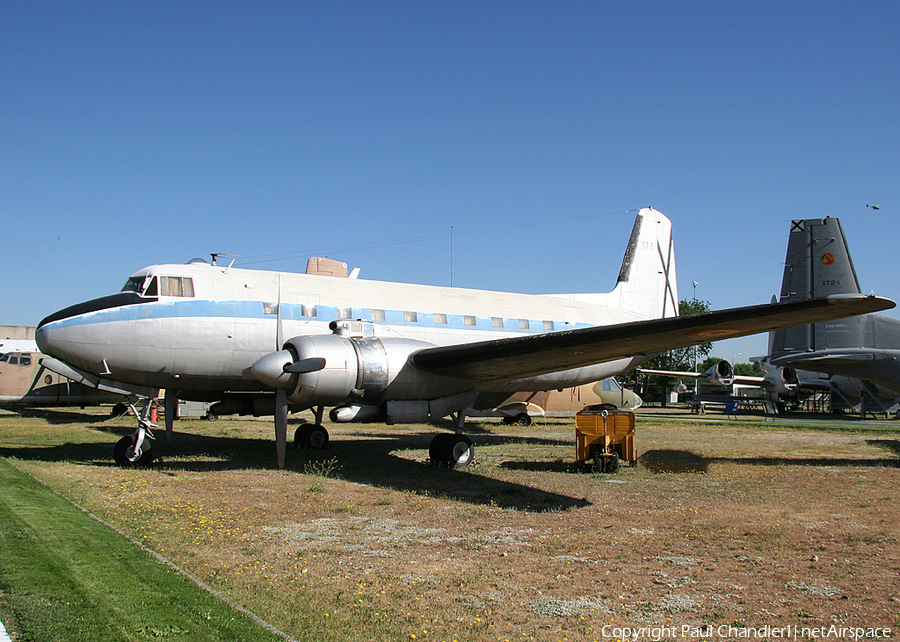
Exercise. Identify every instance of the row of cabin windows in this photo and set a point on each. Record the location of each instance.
(378, 316)
(182, 286)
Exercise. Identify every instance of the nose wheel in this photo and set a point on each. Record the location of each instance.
(135, 449)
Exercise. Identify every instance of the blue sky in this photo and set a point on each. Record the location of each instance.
(138, 133)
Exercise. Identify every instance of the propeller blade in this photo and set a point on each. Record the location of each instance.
(281, 415)
(311, 364)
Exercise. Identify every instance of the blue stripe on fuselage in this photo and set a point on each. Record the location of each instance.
(292, 312)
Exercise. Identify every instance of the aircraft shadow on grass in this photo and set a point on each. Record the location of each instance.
(369, 461)
(685, 461)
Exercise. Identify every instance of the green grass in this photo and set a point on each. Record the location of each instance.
(66, 576)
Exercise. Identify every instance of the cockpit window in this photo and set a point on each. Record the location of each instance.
(134, 284)
(160, 286)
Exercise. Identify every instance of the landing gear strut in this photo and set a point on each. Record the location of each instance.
(134, 450)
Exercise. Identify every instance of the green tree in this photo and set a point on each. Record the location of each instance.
(748, 369)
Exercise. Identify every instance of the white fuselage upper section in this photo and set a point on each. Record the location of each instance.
(221, 320)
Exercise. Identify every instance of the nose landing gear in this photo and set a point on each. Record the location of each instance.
(135, 450)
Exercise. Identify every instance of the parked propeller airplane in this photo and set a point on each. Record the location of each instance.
(383, 351)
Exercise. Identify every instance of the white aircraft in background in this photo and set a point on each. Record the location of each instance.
(17, 345)
(383, 351)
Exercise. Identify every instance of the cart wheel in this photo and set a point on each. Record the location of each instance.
(599, 464)
(613, 466)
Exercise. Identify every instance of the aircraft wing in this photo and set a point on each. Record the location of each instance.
(672, 373)
(519, 357)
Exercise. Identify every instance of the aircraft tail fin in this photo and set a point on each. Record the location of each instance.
(817, 264)
(646, 284)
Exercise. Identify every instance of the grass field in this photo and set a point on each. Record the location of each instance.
(743, 523)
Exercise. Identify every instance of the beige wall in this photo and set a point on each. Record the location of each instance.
(16, 332)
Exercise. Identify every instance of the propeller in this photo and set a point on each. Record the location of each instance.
(277, 370)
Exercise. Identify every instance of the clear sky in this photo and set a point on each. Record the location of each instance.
(136, 133)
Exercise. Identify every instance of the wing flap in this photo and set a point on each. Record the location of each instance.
(518, 357)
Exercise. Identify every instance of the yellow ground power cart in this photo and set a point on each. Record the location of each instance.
(604, 438)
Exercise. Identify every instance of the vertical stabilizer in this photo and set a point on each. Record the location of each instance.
(646, 283)
(817, 264)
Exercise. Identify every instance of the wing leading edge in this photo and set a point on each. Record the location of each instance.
(519, 357)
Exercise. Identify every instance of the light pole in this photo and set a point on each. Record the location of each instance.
(734, 358)
(695, 284)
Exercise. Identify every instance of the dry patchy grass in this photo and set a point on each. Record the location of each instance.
(720, 523)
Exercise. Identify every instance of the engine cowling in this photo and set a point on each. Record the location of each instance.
(334, 370)
(784, 381)
(720, 373)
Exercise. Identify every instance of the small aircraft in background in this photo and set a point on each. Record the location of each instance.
(17, 345)
(274, 342)
(522, 407)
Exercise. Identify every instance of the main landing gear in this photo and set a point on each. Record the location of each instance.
(135, 450)
(452, 450)
(312, 436)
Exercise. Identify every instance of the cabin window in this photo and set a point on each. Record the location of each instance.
(25, 360)
(308, 310)
(440, 318)
(176, 286)
(270, 308)
(4, 358)
(378, 315)
(345, 313)
(524, 324)
(497, 322)
(469, 320)
(14, 361)
(548, 326)
(410, 317)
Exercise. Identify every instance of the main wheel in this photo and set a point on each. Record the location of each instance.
(459, 451)
(317, 437)
(438, 449)
(311, 436)
(523, 419)
(125, 456)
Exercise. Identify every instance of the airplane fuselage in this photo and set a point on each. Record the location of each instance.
(196, 327)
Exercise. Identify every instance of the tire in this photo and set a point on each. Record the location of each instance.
(311, 436)
(459, 452)
(613, 465)
(316, 438)
(300, 436)
(438, 449)
(124, 450)
(523, 419)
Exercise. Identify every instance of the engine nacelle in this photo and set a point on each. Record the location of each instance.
(357, 370)
(354, 412)
(784, 381)
(720, 373)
